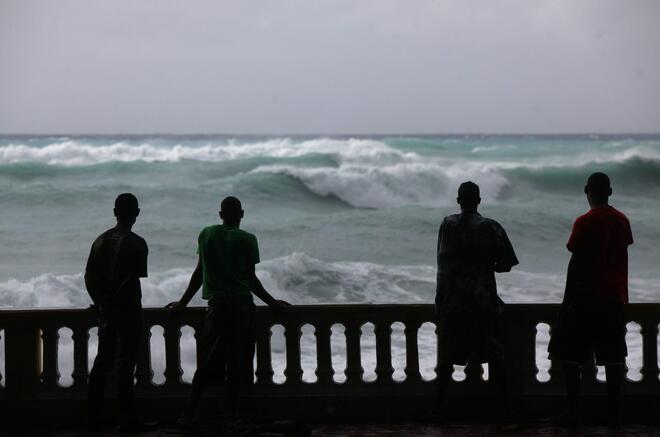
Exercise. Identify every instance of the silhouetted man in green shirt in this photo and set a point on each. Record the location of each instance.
(225, 271)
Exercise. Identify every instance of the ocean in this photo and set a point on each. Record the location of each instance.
(339, 219)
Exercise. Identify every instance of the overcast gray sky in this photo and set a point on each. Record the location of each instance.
(329, 66)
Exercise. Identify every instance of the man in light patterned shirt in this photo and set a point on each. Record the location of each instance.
(471, 249)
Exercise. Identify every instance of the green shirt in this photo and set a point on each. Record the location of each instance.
(228, 255)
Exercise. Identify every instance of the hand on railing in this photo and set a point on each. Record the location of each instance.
(176, 308)
(279, 306)
(106, 308)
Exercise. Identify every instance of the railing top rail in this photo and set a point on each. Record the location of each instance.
(314, 314)
(354, 307)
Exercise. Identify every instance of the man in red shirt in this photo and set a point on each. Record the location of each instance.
(591, 319)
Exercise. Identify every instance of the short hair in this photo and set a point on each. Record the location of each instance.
(231, 205)
(126, 205)
(468, 191)
(599, 183)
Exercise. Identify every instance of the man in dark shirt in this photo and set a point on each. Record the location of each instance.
(471, 248)
(225, 271)
(591, 320)
(117, 261)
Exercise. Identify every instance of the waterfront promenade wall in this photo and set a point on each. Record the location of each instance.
(32, 392)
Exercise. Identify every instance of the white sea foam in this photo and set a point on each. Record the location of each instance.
(44, 291)
(75, 153)
(411, 178)
(366, 172)
(303, 279)
(424, 182)
(581, 159)
(494, 148)
(297, 277)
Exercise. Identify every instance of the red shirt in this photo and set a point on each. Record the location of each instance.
(601, 238)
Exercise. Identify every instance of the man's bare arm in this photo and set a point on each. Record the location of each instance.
(94, 289)
(193, 286)
(258, 289)
(503, 267)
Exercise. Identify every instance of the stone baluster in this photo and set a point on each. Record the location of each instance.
(412, 352)
(537, 332)
(589, 372)
(384, 369)
(520, 351)
(553, 372)
(324, 371)
(144, 374)
(173, 371)
(649, 331)
(527, 350)
(293, 371)
(80, 356)
(200, 343)
(354, 368)
(438, 361)
(50, 374)
(474, 373)
(264, 357)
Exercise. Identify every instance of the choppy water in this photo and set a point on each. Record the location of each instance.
(338, 219)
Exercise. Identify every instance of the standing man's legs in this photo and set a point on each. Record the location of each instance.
(455, 340)
(490, 334)
(240, 352)
(233, 352)
(611, 350)
(128, 343)
(497, 374)
(570, 345)
(215, 359)
(444, 373)
(572, 384)
(614, 376)
(103, 363)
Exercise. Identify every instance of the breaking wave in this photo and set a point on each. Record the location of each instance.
(76, 153)
(296, 277)
(420, 183)
(366, 173)
(303, 279)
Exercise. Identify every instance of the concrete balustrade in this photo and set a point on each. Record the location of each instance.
(31, 376)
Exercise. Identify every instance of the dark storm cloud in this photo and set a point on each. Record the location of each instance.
(341, 66)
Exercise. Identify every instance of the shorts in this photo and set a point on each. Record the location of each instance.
(582, 331)
(477, 336)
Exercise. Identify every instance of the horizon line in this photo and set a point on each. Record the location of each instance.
(410, 134)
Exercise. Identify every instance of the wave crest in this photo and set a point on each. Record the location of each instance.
(419, 183)
(75, 153)
(368, 172)
(297, 277)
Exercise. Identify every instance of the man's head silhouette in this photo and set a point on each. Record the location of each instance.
(126, 208)
(598, 189)
(468, 196)
(231, 211)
